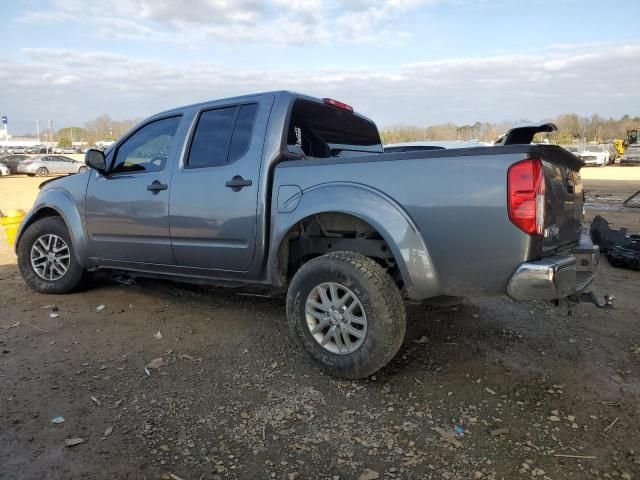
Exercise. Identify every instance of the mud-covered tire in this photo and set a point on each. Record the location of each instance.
(380, 299)
(74, 274)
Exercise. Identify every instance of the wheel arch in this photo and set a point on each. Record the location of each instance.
(374, 208)
(58, 203)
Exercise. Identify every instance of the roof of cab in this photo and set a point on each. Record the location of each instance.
(286, 94)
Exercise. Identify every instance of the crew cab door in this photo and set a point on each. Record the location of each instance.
(127, 209)
(214, 194)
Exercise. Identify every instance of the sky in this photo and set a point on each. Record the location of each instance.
(418, 62)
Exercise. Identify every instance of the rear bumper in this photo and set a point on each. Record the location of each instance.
(556, 277)
(630, 160)
(29, 168)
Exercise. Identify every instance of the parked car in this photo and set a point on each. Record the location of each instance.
(595, 155)
(12, 161)
(573, 149)
(631, 155)
(289, 191)
(44, 165)
(68, 150)
(37, 149)
(4, 170)
(428, 145)
(17, 150)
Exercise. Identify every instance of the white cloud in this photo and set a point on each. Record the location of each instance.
(71, 86)
(276, 22)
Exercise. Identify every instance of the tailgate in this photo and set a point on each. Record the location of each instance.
(564, 199)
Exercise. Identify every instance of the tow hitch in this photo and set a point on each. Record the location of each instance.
(590, 297)
(568, 303)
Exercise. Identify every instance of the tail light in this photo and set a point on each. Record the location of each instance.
(527, 196)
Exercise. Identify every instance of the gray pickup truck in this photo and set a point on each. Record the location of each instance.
(289, 191)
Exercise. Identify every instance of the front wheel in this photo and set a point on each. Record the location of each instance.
(347, 312)
(42, 172)
(82, 169)
(46, 257)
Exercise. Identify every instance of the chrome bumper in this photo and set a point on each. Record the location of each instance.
(556, 277)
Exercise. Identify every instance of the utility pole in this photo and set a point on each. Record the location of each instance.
(38, 130)
(50, 135)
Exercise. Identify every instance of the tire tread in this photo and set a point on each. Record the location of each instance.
(387, 300)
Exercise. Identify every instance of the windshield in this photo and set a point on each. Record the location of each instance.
(322, 131)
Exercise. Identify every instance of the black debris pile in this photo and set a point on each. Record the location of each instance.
(622, 249)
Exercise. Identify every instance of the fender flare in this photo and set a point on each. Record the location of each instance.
(63, 204)
(381, 212)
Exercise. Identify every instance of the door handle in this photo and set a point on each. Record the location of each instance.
(156, 186)
(237, 183)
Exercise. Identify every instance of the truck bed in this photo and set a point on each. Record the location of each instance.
(457, 199)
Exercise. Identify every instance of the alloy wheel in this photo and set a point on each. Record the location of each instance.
(336, 318)
(50, 257)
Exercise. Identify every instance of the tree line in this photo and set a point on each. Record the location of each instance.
(571, 128)
(96, 130)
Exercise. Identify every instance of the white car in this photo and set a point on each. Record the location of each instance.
(595, 155)
(573, 149)
(4, 170)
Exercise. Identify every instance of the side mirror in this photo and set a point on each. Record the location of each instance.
(95, 159)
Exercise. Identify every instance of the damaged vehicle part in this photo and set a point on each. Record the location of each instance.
(622, 249)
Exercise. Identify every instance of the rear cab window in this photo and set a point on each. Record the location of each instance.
(323, 131)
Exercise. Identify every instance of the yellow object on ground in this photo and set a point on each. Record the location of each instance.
(619, 146)
(10, 222)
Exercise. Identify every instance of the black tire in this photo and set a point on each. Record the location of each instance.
(82, 169)
(42, 172)
(381, 301)
(74, 274)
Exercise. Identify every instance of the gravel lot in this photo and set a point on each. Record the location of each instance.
(487, 390)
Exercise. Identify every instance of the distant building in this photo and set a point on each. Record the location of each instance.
(17, 141)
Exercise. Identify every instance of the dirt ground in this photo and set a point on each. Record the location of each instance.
(487, 390)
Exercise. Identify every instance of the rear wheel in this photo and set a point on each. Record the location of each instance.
(82, 169)
(347, 312)
(42, 172)
(46, 257)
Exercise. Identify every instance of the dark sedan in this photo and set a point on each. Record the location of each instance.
(12, 161)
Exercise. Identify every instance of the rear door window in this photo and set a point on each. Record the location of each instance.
(242, 131)
(222, 136)
(323, 131)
